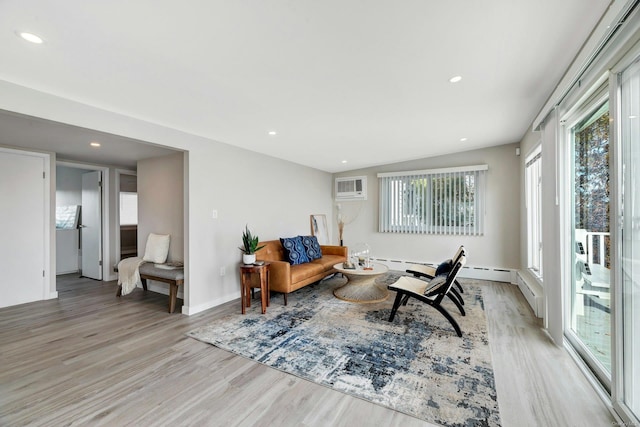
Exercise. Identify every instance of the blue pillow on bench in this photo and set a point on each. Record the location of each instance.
(294, 250)
(312, 247)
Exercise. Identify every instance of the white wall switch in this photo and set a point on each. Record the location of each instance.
(214, 214)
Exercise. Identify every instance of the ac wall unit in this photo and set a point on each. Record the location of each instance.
(351, 188)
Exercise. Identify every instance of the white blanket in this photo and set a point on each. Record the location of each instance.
(129, 274)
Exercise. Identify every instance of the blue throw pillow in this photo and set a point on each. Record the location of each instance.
(294, 250)
(312, 247)
(445, 267)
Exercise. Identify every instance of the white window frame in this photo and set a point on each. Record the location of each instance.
(533, 205)
(414, 202)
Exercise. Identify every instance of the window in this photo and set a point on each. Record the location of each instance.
(128, 208)
(533, 188)
(435, 201)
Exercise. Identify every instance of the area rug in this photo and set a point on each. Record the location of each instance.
(416, 364)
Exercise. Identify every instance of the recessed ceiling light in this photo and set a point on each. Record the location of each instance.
(463, 139)
(95, 144)
(455, 79)
(273, 132)
(30, 37)
(344, 161)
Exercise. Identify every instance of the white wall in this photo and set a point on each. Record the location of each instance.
(498, 247)
(160, 202)
(272, 196)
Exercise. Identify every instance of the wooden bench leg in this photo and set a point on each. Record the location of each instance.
(173, 289)
(173, 293)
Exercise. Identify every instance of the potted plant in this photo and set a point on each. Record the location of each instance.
(249, 246)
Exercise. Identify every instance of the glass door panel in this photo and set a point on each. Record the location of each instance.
(589, 327)
(630, 262)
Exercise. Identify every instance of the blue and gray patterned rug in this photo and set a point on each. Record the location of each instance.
(416, 365)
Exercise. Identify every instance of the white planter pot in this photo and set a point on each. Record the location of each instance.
(248, 258)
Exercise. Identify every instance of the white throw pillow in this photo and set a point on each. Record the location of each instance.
(157, 248)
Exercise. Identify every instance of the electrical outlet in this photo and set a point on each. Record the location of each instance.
(223, 271)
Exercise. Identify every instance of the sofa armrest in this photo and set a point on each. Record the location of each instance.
(334, 250)
(279, 275)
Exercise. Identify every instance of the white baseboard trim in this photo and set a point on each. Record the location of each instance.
(189, 311)
(60, 273)
(163, 288)
(53, 295)
(495, 274)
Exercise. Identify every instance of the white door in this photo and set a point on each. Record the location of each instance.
(22, 238)
(91, 228)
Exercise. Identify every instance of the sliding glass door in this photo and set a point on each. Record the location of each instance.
(589, 323)
(627, 396)
(597, 191)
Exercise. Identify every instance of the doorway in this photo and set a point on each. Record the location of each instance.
(81, 250)
(127, 214)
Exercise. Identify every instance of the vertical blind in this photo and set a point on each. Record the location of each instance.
(434, 201)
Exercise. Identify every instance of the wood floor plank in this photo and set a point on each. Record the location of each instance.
(90, 358)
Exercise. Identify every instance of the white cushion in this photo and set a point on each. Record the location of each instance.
(157, 248)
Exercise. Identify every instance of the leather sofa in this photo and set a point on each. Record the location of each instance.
(286, 278)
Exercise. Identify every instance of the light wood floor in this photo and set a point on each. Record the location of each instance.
(90, 358)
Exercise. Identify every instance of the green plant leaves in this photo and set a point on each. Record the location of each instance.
(249, 242)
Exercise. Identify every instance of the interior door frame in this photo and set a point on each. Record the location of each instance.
(107, 272)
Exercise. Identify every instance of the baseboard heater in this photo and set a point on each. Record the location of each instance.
(532, 293)
(469, 272)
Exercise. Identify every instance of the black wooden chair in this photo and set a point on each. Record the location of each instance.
(431, 293)
(429, 272)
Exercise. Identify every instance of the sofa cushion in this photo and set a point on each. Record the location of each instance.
(312, 247)
(294, 250)
(272, 251)
(328, 261)
(304, 271)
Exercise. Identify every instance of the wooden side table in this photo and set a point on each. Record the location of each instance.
(246, 271)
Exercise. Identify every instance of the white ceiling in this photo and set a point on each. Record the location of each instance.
(366, 81)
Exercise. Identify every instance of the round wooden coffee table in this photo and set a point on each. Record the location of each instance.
(361, 284)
